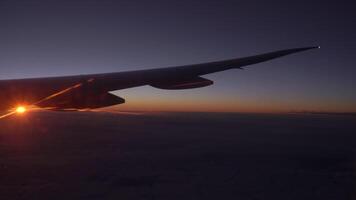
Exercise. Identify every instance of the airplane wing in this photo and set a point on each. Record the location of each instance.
(92, 91)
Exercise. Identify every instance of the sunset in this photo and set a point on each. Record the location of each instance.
(40, 41)
(213, 99)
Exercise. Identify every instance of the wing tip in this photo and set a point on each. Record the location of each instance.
(315, 47)
(308, 48)
(295, 50)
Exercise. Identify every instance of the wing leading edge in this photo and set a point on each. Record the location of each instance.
(87, 87)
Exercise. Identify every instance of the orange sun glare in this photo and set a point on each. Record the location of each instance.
(21, 109)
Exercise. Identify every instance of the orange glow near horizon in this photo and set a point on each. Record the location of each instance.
(167, 104)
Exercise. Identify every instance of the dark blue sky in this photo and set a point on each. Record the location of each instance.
(54, 38)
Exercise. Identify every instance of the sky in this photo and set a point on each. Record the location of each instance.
(57, 38)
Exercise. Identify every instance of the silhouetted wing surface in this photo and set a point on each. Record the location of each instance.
(91, 91)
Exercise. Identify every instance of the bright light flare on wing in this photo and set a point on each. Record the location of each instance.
(7, 115)
(18, 110)
(21, 109)
(24, 109)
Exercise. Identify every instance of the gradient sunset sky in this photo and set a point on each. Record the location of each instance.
(56, 38)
